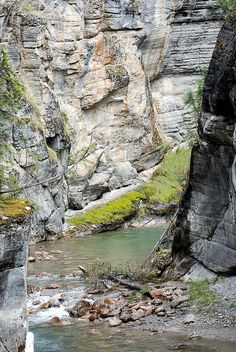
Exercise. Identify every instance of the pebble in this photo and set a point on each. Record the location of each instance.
(56, 251)
(190, 318)
(36, 302)
(175, 303)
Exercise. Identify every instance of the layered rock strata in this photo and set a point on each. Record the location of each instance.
(107, 80)
(14, 241)
(206, 228)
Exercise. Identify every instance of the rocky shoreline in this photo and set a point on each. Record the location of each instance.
(159, 308)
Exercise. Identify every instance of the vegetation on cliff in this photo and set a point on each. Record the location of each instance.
(227, 5)
(13, 209)
(165, 187)
(169, 179)
(11, 99)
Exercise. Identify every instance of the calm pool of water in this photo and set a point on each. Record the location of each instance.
(116, 247)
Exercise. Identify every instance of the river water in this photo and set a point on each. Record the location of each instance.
(116, 247)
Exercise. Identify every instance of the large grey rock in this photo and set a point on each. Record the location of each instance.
(14, 241)
(106, 79)
(206, 228)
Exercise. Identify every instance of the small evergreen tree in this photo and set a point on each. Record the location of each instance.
(11, 99)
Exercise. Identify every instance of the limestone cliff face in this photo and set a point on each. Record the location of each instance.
(107, 79)
(206, 228)
(13, 259)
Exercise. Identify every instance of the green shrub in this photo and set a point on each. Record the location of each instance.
(103, 270)
(193, 98)
(11, 99)
(227, 5)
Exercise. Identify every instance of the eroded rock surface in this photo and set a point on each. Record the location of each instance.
(206, 228)
(107, 80)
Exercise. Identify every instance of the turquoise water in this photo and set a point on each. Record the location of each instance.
(116, 247)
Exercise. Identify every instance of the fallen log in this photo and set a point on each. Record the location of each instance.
(125, 283)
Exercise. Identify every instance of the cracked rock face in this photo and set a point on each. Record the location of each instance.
(107, 79)
(206, 227)
(13, 260)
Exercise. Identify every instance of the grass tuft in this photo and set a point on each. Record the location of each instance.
(201, 294)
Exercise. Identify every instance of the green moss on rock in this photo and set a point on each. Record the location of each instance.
(169, 179)
(114, 212)
(166, 186)
(13, 209)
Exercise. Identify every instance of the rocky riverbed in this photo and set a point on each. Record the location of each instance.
(204, 309)
(61, 304)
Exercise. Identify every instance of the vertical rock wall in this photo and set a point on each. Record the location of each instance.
(206, 228)
(14, 241)
(106, 80)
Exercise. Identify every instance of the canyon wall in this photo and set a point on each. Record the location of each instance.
(14, 244)
(105, 86)
(205, 229)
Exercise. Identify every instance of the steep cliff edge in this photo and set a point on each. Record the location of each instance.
(15, 227)
(205, 229)
(106, 80)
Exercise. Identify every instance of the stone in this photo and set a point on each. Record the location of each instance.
(179, 292)
(175, 303)
(31, 259)
(198, 273)
(190, 318)
(114, 321)
(147, 309)
(36, 302)
(161, 314)
(160, 310)
(31, 311)
(45, 305)
(125, 315)
(56, 251)
(157, 293)
(80, 309)
(137, 314)
(157, 302)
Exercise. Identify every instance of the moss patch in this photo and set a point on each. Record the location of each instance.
(116, 211)
(169, 179)
(166, 186)
(13, 208)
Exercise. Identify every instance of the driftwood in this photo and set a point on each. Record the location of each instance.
(122, 282)
(82, 268)
(125, 283)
